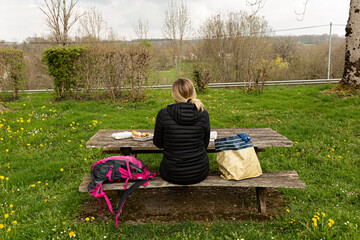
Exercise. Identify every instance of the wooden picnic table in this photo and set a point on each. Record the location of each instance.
(260, 137)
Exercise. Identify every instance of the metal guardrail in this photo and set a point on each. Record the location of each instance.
(225, 85)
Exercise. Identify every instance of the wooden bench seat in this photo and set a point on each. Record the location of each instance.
(284, 179)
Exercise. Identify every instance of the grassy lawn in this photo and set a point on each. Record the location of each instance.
(166, 77)
(43, 158)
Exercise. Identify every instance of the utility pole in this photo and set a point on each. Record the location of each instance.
(329, 59)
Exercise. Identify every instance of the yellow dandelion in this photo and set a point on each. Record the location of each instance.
(11, 206)
(12, 211)
(2, 177)
(331, 221)
(32, 185)
(87, 219)
(61, 169)
(6, 150)
(323, 214)
(329, 224)
(287, 210)
(69, 140)
(81, 145)
(328, 156)
(71, 234)
(15, 222)
(46, 184)
(6, 215)
(45, 200)
(339, 156)
(315, 224)
(9, 229)
(7, 178)
(92, 218)
(317, 213)
(63, 223)
(314, 220)
(2, 226)
(39, 182)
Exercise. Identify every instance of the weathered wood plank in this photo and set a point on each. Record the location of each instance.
(285, 179)
(261, 137)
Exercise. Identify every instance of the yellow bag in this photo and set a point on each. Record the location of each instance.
(237, 158)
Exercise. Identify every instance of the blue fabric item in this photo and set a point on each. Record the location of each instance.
(244, 137)
(233, 143)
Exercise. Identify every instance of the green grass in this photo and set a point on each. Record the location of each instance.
(43, 158)
(168, 76)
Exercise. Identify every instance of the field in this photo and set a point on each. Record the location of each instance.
(43, 158)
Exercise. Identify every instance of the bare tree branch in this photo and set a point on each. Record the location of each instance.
(141, 29)
(60, 17)
(301, 14)
(256, 5)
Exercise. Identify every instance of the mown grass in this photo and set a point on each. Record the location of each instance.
(43, 158)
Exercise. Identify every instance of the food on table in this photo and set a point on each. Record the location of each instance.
(139, 134)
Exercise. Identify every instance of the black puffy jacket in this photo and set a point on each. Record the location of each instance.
(184, 134)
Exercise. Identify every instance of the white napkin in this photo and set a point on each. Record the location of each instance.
(213, 135)
(122, 135)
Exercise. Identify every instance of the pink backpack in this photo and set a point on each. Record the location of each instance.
(116, 169)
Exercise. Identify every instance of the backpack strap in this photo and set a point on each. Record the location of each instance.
(124, 197)
(99, 193)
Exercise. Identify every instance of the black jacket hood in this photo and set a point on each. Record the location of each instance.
(184, 113)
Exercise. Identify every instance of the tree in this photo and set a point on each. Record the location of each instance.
(92, 25)
(176, 25)
(235, 46)
(141, 29)
(351, 75)
(61, 15)
(284, 46)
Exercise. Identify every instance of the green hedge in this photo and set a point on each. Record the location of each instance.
(61, 62)
(80, 71)
(12, 70)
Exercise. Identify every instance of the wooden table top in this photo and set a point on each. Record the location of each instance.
(261, 137)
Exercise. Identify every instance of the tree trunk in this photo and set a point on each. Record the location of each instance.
(351, 76)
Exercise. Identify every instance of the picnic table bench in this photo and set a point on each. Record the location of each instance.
(261, 138)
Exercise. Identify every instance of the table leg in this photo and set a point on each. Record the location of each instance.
(121, 151)
(127, 152)
(260, 197)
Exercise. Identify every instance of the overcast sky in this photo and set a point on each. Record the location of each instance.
(20, 19)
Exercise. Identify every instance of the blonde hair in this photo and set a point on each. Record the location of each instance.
(182, 90)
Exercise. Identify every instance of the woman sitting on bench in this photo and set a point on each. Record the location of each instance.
(182, 129)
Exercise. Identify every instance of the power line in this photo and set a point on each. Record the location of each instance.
(290, 29)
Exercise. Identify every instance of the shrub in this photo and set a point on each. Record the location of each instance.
(61, 63)
(201, 76)
(12, 70)
(81, 71)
